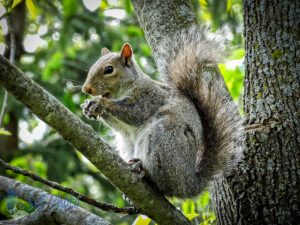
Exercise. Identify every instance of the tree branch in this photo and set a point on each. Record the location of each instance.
(11, 60)
(88, 142)
(36, 218)
(48, 207)
(79, 196)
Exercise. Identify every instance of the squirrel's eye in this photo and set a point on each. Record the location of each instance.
(108, 70)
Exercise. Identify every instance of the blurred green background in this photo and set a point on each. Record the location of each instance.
(59, 42)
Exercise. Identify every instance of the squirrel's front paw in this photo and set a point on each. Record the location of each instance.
(91, 108)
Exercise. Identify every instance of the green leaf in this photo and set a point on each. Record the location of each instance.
(206, 15)
(203, 3)
(6, 119)
(103, 5)
(142, 220)
(127, 6)
(134, 31)
(16, 206)
(31, 8)
(15, 3)
(40, 168)
(53, 65)
(20, 162)
(4, 132)
(188, 207)
(237, 54)
(70, 7)
(228, 6)
(210, 220)
(192, 215)
(1, 34)
(34, 164)
(233, 78)
(146, 50)
(203, 200)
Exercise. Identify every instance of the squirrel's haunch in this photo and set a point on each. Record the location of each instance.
(184, 131)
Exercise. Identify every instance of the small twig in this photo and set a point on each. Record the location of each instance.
(4, 15)
(11, 60)
(3, 107)
(81, 197)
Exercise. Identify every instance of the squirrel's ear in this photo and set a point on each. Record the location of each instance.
(104, 51)
(126, 53)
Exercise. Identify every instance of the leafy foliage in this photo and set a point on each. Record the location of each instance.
(4, 132)
(62, 40)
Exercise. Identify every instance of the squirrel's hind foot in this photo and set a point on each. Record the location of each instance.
(137, 168)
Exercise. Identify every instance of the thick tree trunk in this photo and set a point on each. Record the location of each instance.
(161, 19)
(266, 188)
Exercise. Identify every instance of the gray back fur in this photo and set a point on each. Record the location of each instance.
(190, 67)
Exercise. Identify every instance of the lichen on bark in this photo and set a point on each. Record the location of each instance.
(265, 189)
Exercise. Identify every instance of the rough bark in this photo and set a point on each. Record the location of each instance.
(266, 189)
(161, 19)
(49, 209)
(36, 218)
(88, 142)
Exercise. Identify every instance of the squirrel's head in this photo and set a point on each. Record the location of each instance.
(111, 74)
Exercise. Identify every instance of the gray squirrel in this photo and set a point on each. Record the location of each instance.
(182, 132)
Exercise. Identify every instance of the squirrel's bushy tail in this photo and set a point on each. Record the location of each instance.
(190, 67)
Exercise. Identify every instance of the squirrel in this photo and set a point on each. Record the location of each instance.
(182, 132)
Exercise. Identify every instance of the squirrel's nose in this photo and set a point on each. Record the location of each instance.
(88, 89)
